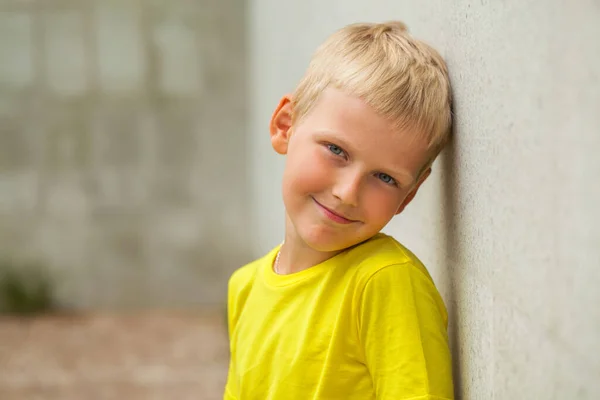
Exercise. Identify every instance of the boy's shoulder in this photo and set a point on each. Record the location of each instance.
(390, 267)
(383, 251)
(245, 275)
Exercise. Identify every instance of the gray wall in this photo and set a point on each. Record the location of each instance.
(509, 224)
(122, 147)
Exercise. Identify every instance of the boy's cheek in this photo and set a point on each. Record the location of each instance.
(381, 208)
(300, 184)
(308, 174)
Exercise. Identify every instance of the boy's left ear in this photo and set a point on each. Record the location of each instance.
(414, 190)
(280, 126)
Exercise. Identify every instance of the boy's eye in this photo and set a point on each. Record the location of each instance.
(335, 149)
(386, 178)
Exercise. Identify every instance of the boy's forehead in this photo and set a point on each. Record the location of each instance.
(336, 108)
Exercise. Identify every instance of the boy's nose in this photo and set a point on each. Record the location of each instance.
(347, 188)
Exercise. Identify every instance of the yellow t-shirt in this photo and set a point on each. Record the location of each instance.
(365, 324)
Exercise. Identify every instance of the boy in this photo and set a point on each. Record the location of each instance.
(340, 310)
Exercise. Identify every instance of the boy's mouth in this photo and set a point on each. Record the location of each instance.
(332, 215)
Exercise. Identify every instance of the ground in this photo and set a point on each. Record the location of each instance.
(143, 356)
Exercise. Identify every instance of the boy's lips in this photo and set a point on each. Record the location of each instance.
(332, 215)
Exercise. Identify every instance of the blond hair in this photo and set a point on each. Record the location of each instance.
(402, 78)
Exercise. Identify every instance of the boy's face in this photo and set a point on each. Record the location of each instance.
(348, 171)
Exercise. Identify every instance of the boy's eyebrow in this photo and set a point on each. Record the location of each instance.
(406, 177)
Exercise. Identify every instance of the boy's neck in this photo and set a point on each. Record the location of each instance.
(295, 255)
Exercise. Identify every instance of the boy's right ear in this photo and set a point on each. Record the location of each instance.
(281, 125)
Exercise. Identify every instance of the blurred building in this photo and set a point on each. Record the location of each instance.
(123, 148)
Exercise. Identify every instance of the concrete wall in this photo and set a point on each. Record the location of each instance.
(122, 147)
(509, 224)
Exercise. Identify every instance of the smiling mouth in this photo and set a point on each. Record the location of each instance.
(332, 215)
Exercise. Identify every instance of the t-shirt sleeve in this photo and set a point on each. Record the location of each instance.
(234, 297)
(403, 330)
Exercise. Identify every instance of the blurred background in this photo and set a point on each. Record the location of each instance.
(136, 174)
(123, 195)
